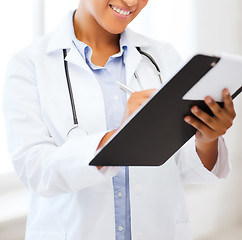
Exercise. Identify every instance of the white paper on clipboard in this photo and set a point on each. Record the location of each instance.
(227, 73)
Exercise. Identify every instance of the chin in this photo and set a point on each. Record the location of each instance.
(116, 30)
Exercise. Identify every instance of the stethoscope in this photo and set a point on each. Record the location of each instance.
(75, 120)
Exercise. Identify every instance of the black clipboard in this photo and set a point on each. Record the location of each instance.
(158, 130)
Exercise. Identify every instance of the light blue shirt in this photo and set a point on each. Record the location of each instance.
(115, 101)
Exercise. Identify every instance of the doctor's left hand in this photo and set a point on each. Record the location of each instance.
(209, 129)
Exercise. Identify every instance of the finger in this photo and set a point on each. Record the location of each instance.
(204, 129)
(219, 123)
(214, 107)
(228, 103)
(224, 118)
(204, 117)
(142, 96)
(147, 93)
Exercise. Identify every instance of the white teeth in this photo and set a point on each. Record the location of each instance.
(120, 11)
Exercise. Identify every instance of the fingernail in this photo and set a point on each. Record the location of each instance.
(208, 100)
(226, 91)
(187, 119)
(195, 109)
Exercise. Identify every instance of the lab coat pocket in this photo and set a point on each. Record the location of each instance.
(183, 231)
(38, 235)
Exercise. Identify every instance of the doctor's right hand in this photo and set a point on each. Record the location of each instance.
(136, 100)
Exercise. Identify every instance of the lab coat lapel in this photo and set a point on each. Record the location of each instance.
(132, 61)
(132, 58)
(89, 99)
(86, 90)
(74, 57)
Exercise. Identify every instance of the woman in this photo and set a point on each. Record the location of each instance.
(70, 199)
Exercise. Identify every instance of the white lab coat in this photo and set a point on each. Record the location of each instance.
(70, 199)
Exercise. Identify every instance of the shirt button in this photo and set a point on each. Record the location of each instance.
(116, 97)
(120, 228)
(120, 194)
(139, 189)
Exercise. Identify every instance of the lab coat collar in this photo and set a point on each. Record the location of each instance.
(135, 40)
(61, 38)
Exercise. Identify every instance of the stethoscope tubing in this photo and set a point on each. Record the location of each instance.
(70, 88)
(149, 57)
(75, 120)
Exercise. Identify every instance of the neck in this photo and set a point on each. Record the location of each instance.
(90, 32)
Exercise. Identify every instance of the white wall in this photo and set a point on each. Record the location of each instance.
(170, 21)
(218, 25)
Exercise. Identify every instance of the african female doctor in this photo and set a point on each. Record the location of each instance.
(70, 199)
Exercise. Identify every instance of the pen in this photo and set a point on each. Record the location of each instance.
(125, 88)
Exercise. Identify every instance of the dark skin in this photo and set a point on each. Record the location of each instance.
(99, 26)
(209, 129)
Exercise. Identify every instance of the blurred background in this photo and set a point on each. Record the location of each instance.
(205, 26)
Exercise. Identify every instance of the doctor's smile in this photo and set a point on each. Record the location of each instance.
(120, 12)
(101, 72)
